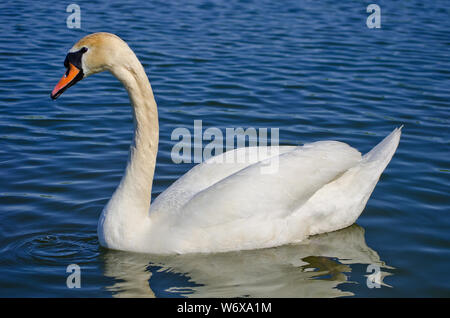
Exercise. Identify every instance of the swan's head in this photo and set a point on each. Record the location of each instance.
(94, 53)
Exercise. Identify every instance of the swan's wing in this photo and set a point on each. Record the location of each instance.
(208, 173)
(255, 192)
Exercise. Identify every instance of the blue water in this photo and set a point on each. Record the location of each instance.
(313, 69)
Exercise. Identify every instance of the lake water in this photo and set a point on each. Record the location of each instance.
(313, 69)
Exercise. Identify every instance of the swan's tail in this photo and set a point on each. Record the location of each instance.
(384, 151)
(339, 203)
(374, 163)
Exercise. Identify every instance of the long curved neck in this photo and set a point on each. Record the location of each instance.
(142, 159)
(129, 206)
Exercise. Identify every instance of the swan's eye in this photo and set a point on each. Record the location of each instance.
(74, 58)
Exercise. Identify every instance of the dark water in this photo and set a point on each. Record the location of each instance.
(311, 68)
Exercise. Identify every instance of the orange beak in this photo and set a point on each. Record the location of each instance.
(72, 76)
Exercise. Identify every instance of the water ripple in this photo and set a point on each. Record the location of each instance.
(311, 68)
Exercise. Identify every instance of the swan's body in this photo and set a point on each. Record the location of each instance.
(216, 207)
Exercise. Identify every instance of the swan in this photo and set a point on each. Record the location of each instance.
(219, 206)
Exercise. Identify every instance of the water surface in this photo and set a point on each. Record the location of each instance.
(310, 68)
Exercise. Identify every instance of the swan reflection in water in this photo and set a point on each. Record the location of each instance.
(314, 268)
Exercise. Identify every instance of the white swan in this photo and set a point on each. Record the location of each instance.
(216, 207)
